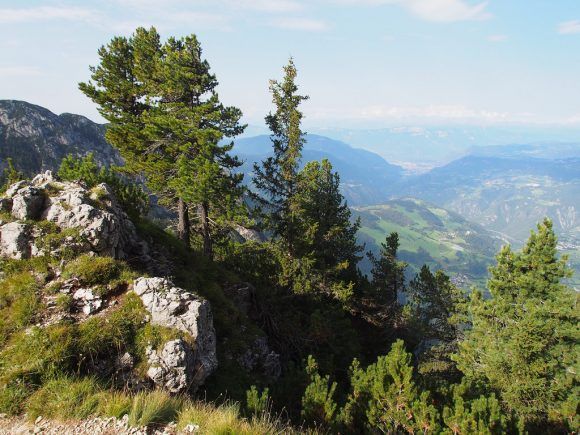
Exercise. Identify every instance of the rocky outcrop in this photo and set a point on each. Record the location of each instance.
(15, 240)
(101, 222)
(174, 307)
(173, 367)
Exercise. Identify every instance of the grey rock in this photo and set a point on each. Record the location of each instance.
(15, 240)
(28, 202)
(104, 227)
(88, 302)
(172, 368)
(174, 307)
(248, 234)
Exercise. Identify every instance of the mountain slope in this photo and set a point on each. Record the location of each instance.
(365, 176)
(430, 235)
(37, 139)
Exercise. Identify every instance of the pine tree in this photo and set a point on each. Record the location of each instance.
(524, 339)
(277, 176)
(166, 120)
(435, 309)
(326, 231)
(386, 395)
(388, 273)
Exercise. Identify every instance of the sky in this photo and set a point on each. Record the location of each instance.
(364, 63)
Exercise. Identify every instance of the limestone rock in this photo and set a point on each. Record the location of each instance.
(94, 212)
(15, 240)
(172, 368)
(87, 301)
(174, 307)
(28, 202)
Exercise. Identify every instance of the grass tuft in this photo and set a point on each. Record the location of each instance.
(154, 407)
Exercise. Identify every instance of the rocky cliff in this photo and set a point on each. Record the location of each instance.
(37, 139)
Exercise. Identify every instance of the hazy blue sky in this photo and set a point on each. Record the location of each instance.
(363, 62)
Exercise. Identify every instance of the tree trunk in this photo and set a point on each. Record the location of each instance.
(205, 232)
(183, 227)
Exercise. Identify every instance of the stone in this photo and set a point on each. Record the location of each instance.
(28, 202)
(248, 234)
(174, 307)
(172, 368)
(15, 240)
(88, 302)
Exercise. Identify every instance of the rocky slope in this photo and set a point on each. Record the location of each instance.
(37, 139)
(75, 271)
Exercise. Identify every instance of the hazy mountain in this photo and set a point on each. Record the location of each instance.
(37, 139)
(418, 146)
(365, 176)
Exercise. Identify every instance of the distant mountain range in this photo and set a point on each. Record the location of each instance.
(365, 176)
(420, 147)
(506, 190)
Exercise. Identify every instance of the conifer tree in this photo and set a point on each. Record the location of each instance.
(388, 273)
(167, 121)
(277, 176)
(524, 339)
(435, 309)
(326, 231)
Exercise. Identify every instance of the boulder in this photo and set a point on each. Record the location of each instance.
(174, 307)
(173, 367)
(28, 202)
(15, 240)
(87, 301)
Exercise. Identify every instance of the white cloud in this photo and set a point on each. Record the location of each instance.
(569, 27)
(44, 13)
(18, 71)
(428, 114)
(497, 38)
(434, 10)
(308, 24)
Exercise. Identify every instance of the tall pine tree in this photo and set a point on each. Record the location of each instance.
(277, 176)
(388, 272)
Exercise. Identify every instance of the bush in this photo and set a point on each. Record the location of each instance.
(318, 404)
(256, 403)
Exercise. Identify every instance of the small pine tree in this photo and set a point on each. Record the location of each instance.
(318, 406)
(435, 311)
(386, 394)
(388, 273)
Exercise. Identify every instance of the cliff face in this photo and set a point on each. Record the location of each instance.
(37, 139)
